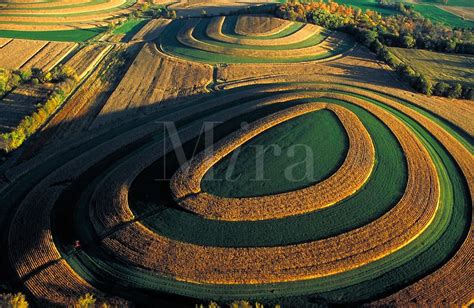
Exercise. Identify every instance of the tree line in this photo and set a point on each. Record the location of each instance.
(409, 29)
(65, 80)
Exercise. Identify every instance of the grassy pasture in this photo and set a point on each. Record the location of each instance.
(312, 130)
(439, 66)
(368, 5)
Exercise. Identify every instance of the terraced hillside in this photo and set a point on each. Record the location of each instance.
(246, 174)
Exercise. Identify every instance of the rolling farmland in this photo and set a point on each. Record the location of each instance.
(239, 157)
(58, 20)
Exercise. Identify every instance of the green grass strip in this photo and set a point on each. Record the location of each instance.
(130, 28)
(79, 35)
(320, 131)
(201, 35)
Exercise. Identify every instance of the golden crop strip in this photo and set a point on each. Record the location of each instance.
(71, 21)
(348, 179)
(185, 37)
(248, 25)
(4, 41)
(113, 211)
(58, 283)
(109, 4)
(453, 283)
(453, 280)
(214, 31)
(87, 58)
(195, 263)
(40, 3)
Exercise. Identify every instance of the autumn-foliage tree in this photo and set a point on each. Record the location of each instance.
(409, 29)
(66, 80)
(17, 300)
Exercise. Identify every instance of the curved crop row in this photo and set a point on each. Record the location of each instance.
(349, 178)
(326, 257)
(185, 36)
(87, 187)
(61, 15)
(248, 25)
(214, 31)
(205, 40)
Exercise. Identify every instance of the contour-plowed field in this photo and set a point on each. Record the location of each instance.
(60, 15)
(220, 40)
(162, 178)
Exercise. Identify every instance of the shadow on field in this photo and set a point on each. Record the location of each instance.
(369, 75)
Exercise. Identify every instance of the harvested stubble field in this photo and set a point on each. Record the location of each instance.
(49, 56)
(386, 215)
(151, 30)
(28, 54)
(260, 25)
(153, 78)
(15, 53)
